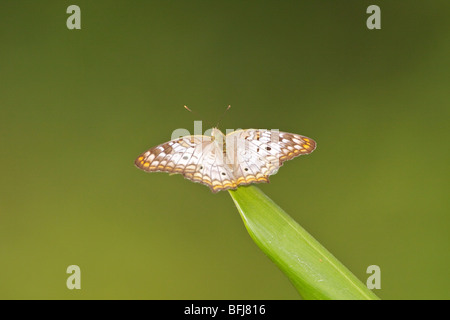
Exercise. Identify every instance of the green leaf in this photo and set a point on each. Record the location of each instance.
(313, 270)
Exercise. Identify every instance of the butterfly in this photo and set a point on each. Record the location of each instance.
(227, 161)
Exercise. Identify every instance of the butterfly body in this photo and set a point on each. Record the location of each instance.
(227, 161)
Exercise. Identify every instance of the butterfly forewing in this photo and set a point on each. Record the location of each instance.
(176, 156)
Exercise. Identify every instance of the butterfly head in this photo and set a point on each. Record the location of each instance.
(216, 133)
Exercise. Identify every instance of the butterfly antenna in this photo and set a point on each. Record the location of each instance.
(229, 106)
(193, 112)
(186, 107)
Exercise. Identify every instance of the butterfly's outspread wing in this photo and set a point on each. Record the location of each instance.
(226, 162)
(257, 153)
(197, 158)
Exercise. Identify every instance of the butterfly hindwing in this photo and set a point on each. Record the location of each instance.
(212, 169)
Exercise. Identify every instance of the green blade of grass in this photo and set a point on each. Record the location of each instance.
(313, 270)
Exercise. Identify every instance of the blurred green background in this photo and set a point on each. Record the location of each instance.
(78, 106)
